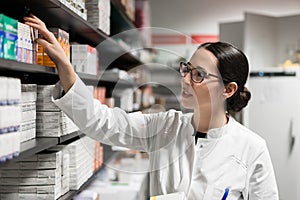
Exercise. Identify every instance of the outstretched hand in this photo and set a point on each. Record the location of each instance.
(48, 40)
(54, 51)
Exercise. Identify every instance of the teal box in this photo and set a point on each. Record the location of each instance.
(10, 28)
(1, 35)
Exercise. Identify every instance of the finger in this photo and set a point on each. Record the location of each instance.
(30, 19)
(43, 30)
(42, 42)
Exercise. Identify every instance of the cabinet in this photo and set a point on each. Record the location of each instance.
(272, 111)
(111, 54)
(266, 40)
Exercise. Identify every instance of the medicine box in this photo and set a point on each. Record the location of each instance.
(1, 36)
(28, 93)
(50, 190)
(44, 101)
(63, 39)
(24, 196)
(27, 130)
(10, 29)
(30, 173)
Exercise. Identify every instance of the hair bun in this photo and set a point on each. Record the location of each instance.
(238, 101)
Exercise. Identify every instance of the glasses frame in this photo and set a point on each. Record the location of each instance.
(199, 70)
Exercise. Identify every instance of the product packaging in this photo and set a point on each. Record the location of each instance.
(10, 29)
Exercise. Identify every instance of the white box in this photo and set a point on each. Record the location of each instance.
(31, 181)
(3, 89)
(42, 189)
(29, 93)
(24, 196)
(20, 42)
(13, 90)
(44, 101)
(9, 145)
(45, 157)
(31, 165)
(43, 173)
(27, 131)
(28, 111)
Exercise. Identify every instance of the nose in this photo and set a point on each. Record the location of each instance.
(187, 79)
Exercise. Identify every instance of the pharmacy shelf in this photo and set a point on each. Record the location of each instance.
(31, 73)
(34, 146)
(72, 136)
(119, 20)
(69, 195)
(56, 14)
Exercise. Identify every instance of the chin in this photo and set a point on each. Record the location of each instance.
(187, 104)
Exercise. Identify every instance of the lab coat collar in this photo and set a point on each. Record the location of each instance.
(215, 133)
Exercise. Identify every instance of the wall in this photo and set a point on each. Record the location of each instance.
(204, 16)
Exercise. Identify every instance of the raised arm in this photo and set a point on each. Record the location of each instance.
(51, 46)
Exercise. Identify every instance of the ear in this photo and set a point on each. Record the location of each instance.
(230, 89)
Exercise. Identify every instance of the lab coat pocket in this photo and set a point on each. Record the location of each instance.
(213, 193)
(216, 193)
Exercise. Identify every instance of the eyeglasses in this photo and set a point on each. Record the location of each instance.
(198, 74)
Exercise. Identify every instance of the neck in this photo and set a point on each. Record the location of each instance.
(204, 121)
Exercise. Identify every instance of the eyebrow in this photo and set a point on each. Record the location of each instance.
(193, 66)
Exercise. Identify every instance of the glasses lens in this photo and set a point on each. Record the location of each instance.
(183, 69)
(197, 75)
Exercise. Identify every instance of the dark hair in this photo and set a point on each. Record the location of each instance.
(233, 67)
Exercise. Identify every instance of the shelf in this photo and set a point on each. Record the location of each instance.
(56, 14)
(69, 195)
(31, 73)
(119, 20)
(34, 146)
(71, 136)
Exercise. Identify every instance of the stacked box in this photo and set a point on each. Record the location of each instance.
(65, 175)
(81, 164)
(98, 14)
(84, 59)
(77, 6)
(9, 37)
(100, 94)
(1, 35)
(27, 47)
(44, 101)
(129, 6)
(98, 156)
(37, 177)
(51, 121)
(28, 106)
(10, 117)
(63, 39)
(54, 124)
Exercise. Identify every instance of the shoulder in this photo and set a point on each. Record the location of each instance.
(243, 133)
(249, 143)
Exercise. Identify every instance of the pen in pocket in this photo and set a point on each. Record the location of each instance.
(225, 194)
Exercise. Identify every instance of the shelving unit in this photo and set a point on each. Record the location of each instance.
(69, 195)
(111, 54)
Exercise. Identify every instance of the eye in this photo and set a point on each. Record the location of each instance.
(200, 72)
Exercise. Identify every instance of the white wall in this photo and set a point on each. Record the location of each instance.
(203, 16)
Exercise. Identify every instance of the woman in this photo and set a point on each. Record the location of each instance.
(228, 161)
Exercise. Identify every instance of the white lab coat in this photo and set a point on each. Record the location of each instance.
(231, 157)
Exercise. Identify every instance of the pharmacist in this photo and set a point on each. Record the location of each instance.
(205, 154)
